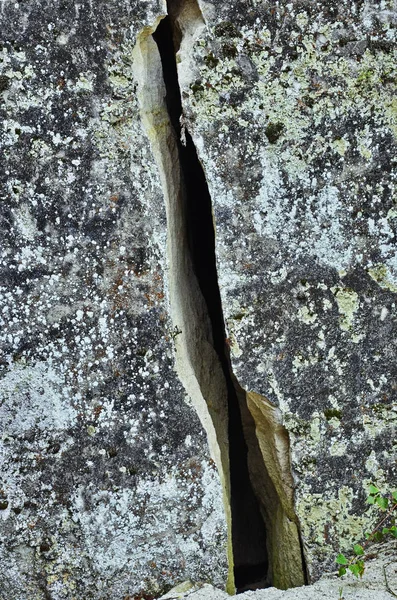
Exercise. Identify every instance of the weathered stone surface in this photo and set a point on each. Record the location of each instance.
(292, 107)
(107, 487)
(379, 581)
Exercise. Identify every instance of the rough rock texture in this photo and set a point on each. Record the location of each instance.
(108, 488)
(107, 485)
(379, 582)
(292, 107)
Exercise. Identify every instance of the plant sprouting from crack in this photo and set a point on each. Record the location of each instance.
(386, 526)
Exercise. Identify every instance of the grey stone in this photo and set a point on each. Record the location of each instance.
(379, 581)
(115, 398)
(108, 488)
(298, 159)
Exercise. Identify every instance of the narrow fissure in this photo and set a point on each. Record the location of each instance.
(250, 555)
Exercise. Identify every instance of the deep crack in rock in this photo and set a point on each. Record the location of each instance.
(264, 547)
(248, 529)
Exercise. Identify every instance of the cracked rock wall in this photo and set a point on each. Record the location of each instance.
(108, 487)
(292, 108)
(107, 484)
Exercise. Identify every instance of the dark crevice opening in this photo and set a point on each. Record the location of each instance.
(248, 528)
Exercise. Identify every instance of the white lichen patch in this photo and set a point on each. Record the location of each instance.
(135, 533)
(340, 146)
(338, 448)
(307, 315)
(377, 473)
(25, 222)
(300, 362)
(380, 416)
(34, 397)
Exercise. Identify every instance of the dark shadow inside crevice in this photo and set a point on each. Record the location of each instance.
(248, 528)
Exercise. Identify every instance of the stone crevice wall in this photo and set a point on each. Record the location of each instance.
(198, 359)
(291, 109)
(107, 485)
(115, 445)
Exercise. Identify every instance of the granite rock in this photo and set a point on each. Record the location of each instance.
(292, 108)
(115, 444)
(108, 487)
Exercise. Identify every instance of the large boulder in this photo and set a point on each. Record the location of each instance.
(168, 395)
(108, 487)
(292, 109)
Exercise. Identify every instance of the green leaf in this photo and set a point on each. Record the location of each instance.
(382, 501)
(355, 569)
(378, 536)
(385, 530)
(394, 495)
(341, 571)
(358, 550)
(393, 531)
(373, 489)
(341, 559)
(361, 566)
(370, 500)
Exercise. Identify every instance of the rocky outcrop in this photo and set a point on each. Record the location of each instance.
(108, 487)
(379, 581)
(291, 108)
(198, 281)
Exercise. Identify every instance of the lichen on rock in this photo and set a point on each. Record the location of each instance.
(292, 109)
(108, 486)
(115, 464)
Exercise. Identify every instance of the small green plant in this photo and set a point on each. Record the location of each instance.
(386, 526)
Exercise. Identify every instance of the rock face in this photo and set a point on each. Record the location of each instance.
(291, 107)
(121, 409)
(379, 581)
(108, 488)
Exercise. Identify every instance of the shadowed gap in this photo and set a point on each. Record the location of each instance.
(248, 529)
